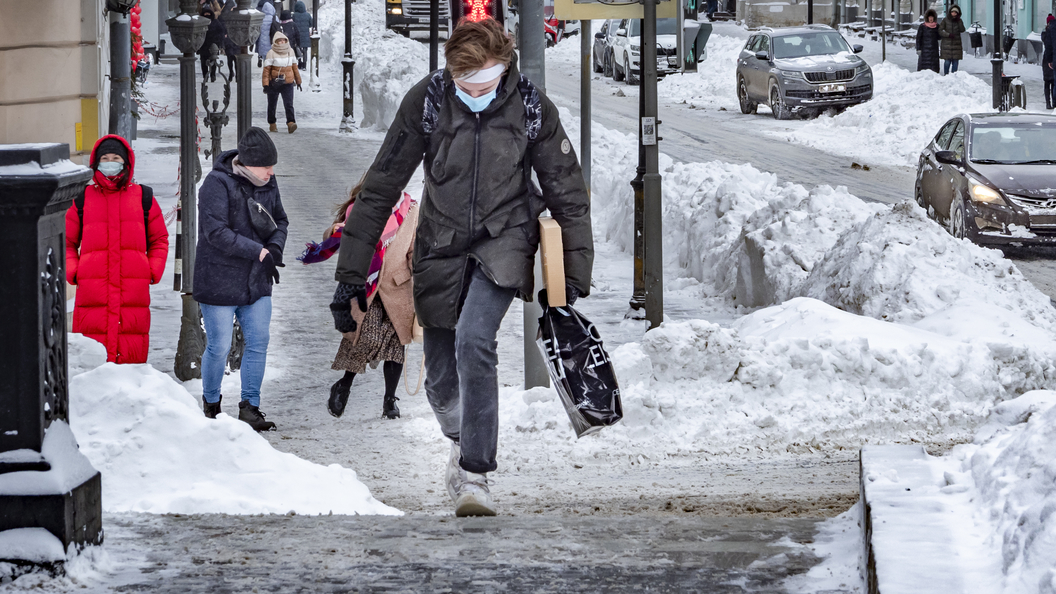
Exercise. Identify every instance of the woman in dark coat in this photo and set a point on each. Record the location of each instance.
(304, 31)
(928, 42)
(235, 266)
(1048, 40)
(950, 48)
(216, 35)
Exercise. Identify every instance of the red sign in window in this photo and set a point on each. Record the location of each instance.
(477, 10)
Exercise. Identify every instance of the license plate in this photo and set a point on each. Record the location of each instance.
(672, 61)
(661, 62)
(832, 88)
(1042, 220)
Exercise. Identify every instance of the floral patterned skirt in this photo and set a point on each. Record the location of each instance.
(377, 342)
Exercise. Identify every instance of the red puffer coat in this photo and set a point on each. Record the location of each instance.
(109, 260)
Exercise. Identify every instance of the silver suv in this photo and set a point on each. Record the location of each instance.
(801, 71)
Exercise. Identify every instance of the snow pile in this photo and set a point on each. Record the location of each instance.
(159, 454)
(895, 124)
(900, 266)
(387, 64)
(797, 377)
(83, 353)
(714, 85)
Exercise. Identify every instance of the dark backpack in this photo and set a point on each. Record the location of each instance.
(148, 201)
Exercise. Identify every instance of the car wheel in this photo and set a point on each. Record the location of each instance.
(956, 224)
(594, 63)
(616, 74)
(627, 76)
(606, 65)
(919, 197)
(747, 105)
(778, 106)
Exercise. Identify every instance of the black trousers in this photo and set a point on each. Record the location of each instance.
(287, 103)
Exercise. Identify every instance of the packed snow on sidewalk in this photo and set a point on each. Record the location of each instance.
(146, 434)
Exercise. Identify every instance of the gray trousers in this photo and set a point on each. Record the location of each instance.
(461, 379)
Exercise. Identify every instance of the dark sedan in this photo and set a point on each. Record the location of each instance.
(991, 178)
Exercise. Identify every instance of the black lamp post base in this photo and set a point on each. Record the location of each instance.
(75, 516)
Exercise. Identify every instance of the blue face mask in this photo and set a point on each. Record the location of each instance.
(476, 104)
(111, 168)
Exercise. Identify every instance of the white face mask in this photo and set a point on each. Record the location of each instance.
(476, 104)
(111, 168)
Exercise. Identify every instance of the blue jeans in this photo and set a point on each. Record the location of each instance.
(219, 322)
(461, 381)
(949, 66)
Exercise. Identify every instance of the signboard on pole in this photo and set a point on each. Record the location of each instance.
(570, 10)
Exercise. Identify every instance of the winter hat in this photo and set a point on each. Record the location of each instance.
(1050, 19)
(256, 149)
(111, 146)
(285, 15)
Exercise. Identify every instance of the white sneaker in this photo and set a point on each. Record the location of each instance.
(454, 476)
(474, 498)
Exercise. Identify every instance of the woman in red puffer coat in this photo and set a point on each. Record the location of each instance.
(112, 258)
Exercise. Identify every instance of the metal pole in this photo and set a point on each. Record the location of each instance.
(883, 31)
(997, 64)
(651, 181)
(244, 100)
(638, 296)
(810, 12)
(191, 343)
(586, 70)
(313, 66)
(434, 34)
(533, 66)
(120, 75)
(348, 120)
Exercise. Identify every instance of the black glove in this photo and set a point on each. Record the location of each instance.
(571, 294)
(269, 268)
(276, 254)
(299, 88)
(341, 306)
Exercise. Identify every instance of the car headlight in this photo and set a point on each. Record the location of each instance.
(395, 11)
(980, 192)
(635, 48)
(861, 68)
(791, 73)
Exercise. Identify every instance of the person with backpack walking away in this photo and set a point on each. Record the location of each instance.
(388, 324)
(285, 25)
(928, 42)
(304, 31)
(241, 235)
(1048, 41)
(116, 247)
(950, 47)
(216, 35)
(279, 77)
(482, 128)
(264, 40)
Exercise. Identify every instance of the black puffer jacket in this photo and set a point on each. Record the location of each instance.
(1048, 40)
(928, 46)
(950, 29)
(227, 267)
(289, 28)
(477, 195)
(304, 24)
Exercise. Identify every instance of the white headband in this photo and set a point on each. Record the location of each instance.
(483, 76)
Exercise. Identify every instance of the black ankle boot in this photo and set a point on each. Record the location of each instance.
(389, 409)
(252, 416)
(339, 396)
(211, 409)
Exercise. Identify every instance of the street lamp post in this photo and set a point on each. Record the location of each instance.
(652, 208)
(120, 68)
(348, 119)
(243, 28)
(188, 33)
(313, 66)
(997, 64)
(215, 115)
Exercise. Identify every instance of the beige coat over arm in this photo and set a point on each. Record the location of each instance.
(395, 286)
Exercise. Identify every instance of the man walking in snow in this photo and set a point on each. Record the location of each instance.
(482, 128)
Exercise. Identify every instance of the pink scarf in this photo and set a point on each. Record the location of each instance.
(399, 213)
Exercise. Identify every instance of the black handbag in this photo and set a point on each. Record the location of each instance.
(261, 220)
(277, 83)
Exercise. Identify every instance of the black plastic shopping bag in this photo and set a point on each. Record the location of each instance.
(580, 369)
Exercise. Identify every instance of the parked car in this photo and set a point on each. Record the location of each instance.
(602, 51)
(626, 49)
(801, 71)
(989, 178)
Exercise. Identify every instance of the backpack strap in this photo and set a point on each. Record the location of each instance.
(148, 202)
(79, 203)
(533, 108)
(434, 98)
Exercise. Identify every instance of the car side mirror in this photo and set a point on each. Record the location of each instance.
(762, 56)
(857, 49)
(621, 32)
(599, 36)
(947, 157)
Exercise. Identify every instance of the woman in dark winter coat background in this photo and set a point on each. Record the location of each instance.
(113, 256)
(1048, 40)
(235, 266)
(950, 48)
(928, 42)
(304, 31)
(217, 35)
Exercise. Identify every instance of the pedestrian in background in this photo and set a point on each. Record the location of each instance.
(304, 31)
(1048, 40)
(287, 27)
(241, 234)
(928, 42)
(481, 128)
(114, 251)
(388, 322)
(279, 77)
(216, 35)
(950, 47)
(264, 41)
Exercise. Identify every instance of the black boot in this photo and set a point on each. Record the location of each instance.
(252, 416)
(211, 409)
(339, 394)
(1048, 94)
(389, 410)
